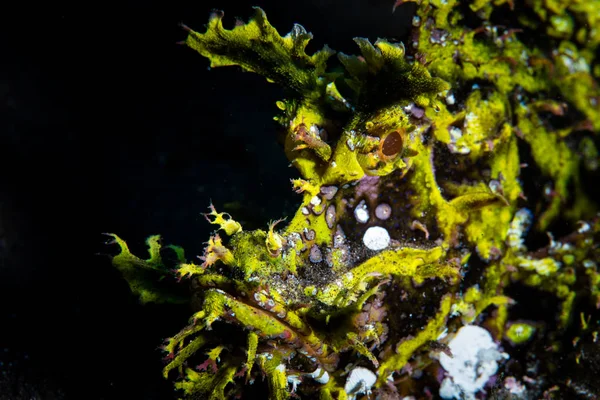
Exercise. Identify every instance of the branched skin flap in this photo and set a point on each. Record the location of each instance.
(415, 211)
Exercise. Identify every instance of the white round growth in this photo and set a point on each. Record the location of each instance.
(383, 211)
(473, 362)
(376, 238)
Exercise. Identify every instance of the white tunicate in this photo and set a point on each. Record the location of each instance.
(473, 362)
(361, 212)
(376, 238)
(360, 381)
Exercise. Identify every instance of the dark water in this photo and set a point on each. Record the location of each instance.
(106, 125)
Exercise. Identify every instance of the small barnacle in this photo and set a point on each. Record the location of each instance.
(438, 36)
(330, 216)
(315, 254)
(274, 240)
(383, 211)
(339, 237)
(309, 234)
(328, 192)
(415, 111)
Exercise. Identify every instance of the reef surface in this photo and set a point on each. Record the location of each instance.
(422, 260)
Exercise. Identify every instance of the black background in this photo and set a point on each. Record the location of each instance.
(107, 125)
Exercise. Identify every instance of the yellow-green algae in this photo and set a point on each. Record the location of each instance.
(433, 132)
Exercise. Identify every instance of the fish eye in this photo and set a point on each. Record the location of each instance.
(392, 144)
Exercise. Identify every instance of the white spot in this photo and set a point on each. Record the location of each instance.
(280, 368)
(350, 144)
(360, 381)
(416, 21)
(361, 213)
(320, 375)
(443, 334)
(315, 201)
(583, 227)
(294, 380)
(305, 210)
(450, 99)
(514, 386)
(455, 133)
(473, 362)
(376, 238)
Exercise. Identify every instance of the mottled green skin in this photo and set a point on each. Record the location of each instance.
(311, 296)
